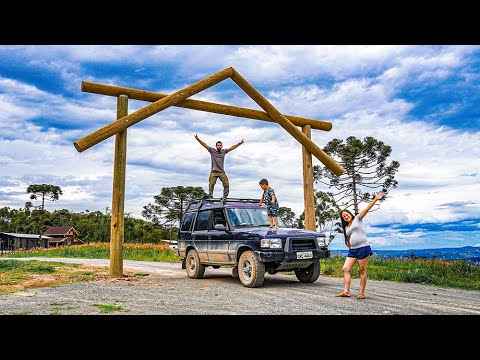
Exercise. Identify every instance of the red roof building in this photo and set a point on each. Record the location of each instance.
(62, 235)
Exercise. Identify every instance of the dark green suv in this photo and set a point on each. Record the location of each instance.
(235, 232)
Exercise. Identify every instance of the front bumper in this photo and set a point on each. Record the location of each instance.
(291, 256)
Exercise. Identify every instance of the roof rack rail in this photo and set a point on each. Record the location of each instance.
(208, 200)
(232, 200)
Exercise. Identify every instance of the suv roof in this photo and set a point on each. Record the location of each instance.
(208, 203)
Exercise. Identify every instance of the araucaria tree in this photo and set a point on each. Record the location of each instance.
(44, 191)
(366, 170)
(169, 205)
(327, 215)
(287, 215)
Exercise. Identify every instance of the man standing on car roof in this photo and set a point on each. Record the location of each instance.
(217, 155)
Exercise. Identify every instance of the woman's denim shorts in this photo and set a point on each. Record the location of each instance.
(360, 253)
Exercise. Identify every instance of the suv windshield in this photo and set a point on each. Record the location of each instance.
(250, 217)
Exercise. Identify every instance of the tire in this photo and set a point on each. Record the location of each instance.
(251, 271)
(309, 274)
(195, 269)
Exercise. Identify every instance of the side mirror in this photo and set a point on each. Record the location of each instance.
(220, 227)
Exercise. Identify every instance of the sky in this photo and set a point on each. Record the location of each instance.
(422, 100)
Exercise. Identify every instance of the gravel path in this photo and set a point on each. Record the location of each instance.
(168, 291)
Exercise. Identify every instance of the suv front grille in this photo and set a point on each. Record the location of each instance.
(299, 244)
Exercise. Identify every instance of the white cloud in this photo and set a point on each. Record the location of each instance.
(353, 87)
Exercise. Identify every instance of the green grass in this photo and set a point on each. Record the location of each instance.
(107, 308)
(16, 275)
(142, 252)
(21, 313)
(456, 273)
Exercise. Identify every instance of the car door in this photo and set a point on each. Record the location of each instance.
(200, 233)
(217, 239)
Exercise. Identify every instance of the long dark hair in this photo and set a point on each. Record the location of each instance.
(344, 224)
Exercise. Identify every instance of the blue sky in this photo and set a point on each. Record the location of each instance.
(421, 100)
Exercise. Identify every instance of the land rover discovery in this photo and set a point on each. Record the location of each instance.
(235, 232)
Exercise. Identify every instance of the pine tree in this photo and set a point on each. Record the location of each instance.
(366, 171)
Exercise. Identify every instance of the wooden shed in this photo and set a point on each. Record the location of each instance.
(14, 241)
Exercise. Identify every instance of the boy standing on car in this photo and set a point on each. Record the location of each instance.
(271, 201)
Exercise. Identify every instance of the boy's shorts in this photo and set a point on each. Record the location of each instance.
(272, 211)
(360, 253)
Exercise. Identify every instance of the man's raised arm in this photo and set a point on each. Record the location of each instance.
(201, 142)
(236, 145)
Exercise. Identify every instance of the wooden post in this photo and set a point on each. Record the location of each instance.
(110, 90)
(117, 227)
(286, 124)
(149, 110)
(308, 195)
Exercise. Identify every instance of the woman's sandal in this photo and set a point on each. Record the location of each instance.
(361, 296)
(343, 294)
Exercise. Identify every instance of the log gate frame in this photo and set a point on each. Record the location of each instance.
(161, 102)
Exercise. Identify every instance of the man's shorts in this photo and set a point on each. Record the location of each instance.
(272, 211)
(360, 253)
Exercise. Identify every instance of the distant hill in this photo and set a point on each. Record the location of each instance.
(470, 253)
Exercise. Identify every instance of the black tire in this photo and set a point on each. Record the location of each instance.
(195, 269)
(309, 274)
(251, 271)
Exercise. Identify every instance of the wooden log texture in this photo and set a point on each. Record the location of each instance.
(159, 105)
(286, 124)
(308, 192)
(118, 194)
(136, 94)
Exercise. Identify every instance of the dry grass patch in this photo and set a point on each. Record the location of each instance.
(18, 275)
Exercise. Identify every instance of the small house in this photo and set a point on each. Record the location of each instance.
(62, 235)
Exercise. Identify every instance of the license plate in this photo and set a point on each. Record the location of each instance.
(304, 255)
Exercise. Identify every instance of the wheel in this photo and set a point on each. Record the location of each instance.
(251, 271)
(195, 269)
(309, 274)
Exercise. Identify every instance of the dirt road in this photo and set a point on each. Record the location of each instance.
(168, 291)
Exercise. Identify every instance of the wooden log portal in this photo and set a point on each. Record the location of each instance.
(110, 90)
(308, 191)
(179, 98)
(286, 124)
(159, 105)
(118, 195)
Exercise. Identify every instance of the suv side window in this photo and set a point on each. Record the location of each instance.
(187, 222)
(203, 219)
(219, 217)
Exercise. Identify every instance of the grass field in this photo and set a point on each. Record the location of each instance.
(457, 273)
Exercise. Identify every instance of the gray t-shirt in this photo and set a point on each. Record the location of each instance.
(217, 158)
(358, 238)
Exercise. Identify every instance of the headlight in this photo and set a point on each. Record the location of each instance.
(321, 241)
(273, 243)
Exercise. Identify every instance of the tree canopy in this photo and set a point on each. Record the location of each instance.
(168, 206)
(44, 191)
(366, 170)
